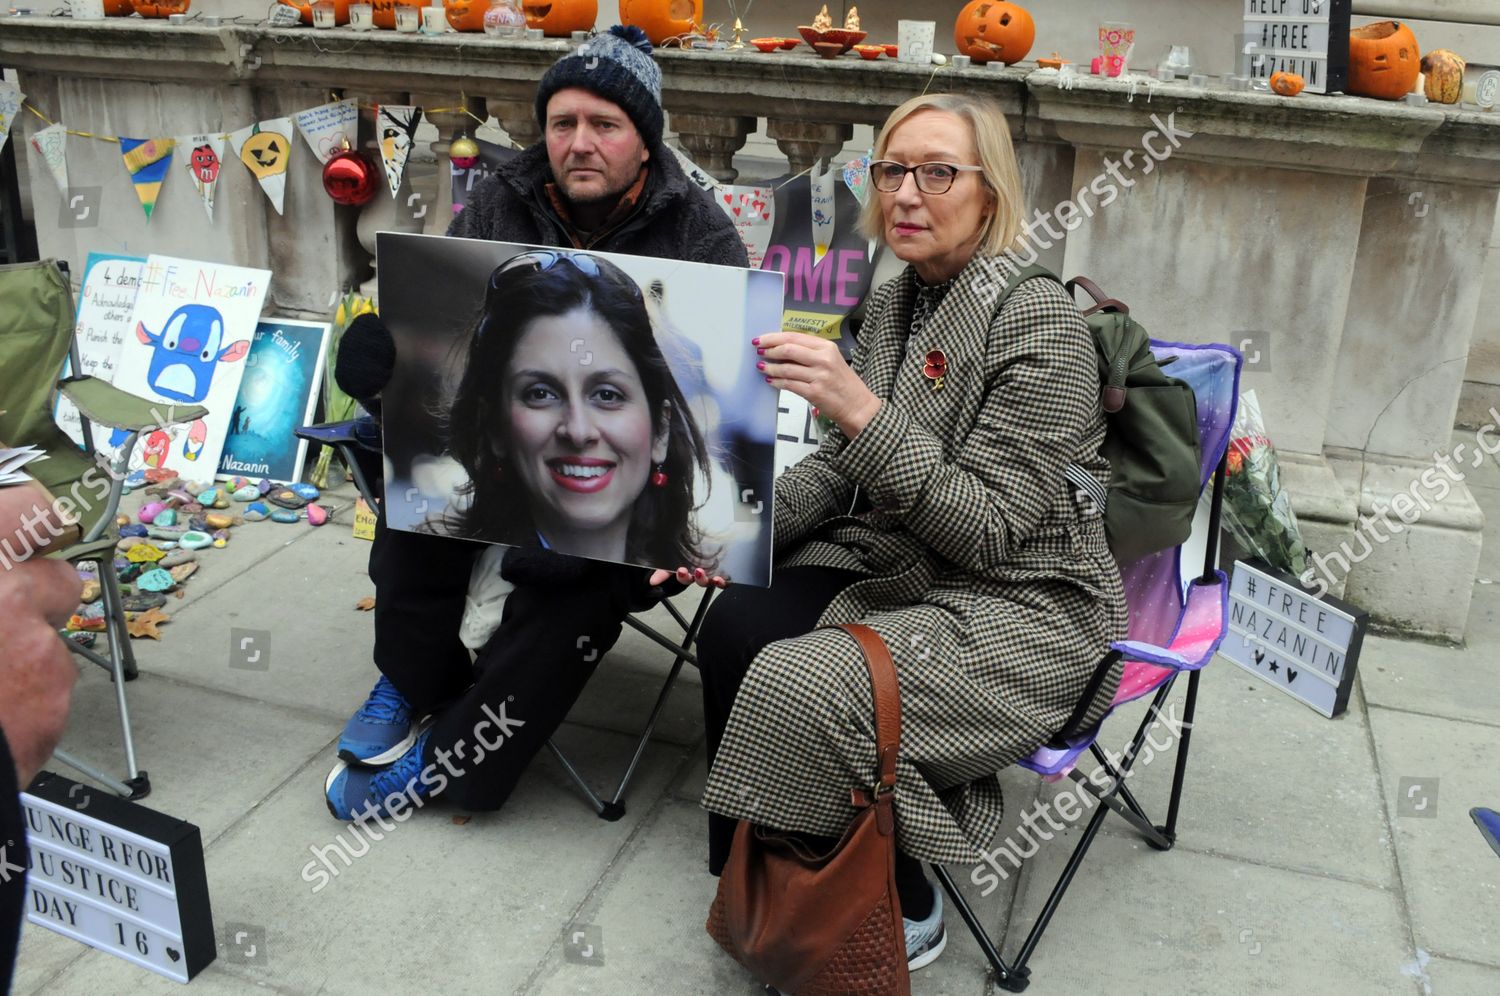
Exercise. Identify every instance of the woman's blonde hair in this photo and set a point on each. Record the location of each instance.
(1001, 176)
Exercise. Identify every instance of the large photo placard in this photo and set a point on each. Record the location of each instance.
(595, 404)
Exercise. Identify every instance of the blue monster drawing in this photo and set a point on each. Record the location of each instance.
(187, 351)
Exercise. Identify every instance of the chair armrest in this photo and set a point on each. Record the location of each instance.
(104, 404)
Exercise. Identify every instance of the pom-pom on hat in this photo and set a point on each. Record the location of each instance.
(616, 65)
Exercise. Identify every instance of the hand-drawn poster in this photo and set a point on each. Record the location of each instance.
(190, 332)
(277, 396)
(105, 303)
(600, 405)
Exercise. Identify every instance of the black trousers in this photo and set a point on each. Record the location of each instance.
(12, 865)
(495, 714)
(741, 621)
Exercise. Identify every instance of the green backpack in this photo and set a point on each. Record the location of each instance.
(1151, 434)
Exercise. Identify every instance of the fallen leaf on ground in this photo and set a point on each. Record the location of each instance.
(459, 821)
(365, 604)
(146, 623)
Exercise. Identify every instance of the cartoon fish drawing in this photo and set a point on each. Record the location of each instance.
(197, 436)
(155, 450)
(187, 351)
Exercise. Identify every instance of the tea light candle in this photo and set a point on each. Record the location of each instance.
(535, 34)
(177, 19)
(209, 20)
(87, 10)
(434, 20)
(323, 14)
(408, 20)
(1198, 79)
(961, 62)
(361, 16)
(579, 37)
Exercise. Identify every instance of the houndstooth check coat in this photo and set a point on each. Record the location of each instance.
(990, 583)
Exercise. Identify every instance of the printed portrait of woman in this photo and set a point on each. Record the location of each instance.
(567, 420)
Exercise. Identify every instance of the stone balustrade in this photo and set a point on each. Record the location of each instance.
(1340, 241)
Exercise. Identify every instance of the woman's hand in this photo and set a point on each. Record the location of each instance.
(813, 368)
(688, 575)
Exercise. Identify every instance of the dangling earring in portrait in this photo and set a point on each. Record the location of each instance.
(659, 477)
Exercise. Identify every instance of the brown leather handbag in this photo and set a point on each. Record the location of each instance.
(825, 924)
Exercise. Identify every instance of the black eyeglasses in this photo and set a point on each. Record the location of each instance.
(932, 178)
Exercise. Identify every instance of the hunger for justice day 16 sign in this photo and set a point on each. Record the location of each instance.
(1308, 647)
(118, 877)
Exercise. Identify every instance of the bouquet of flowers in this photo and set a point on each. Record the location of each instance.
(1257, 510)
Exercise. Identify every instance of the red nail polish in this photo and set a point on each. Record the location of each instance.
(760, 352)
(768, 380)
(755, 341)
(761, 365)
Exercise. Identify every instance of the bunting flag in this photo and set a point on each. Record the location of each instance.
(265, 148)
(396, 124)
(10, 106)
(823, 211)
(50, 144)
(147, 160)
(203, 155)
(329, 127)
(857, 178)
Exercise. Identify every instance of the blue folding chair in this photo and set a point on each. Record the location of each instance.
(1174, 628)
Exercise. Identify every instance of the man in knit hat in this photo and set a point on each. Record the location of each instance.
(599, 179)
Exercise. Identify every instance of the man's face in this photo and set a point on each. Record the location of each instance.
(594, 148)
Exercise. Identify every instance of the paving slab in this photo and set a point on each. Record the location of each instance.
(1268, 780)
(1432, 772)
(1452, 683)
(1450, 977)
(496, 888)
(1148, 921)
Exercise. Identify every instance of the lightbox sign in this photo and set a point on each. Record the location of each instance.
(1306, 37)
(117, 876)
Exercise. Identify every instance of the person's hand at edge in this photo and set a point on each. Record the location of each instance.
(813, 369)
(688, 575)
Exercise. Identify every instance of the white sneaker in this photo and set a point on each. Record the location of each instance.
(925, 939)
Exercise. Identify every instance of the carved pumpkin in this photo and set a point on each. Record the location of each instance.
(463, 15)
(340, 10)
(1383, 60)
(560, 18)
(385, 11)
(662, 19)
(1443, 76)
(991, 30)
(159, 8)
(118, 8)
(1287, 84)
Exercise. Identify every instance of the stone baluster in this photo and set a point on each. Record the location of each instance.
(711, 140)
(450, 124)
(383, 213)
(518, 117)
(807, 142)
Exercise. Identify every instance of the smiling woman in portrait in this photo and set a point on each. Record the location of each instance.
(574, 434)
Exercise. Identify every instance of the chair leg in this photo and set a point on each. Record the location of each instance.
(1011, 979)
(119, 654)
(114, 612)
(609, 811)
(1170, 829)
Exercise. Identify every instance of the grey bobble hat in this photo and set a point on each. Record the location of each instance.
(616, 65)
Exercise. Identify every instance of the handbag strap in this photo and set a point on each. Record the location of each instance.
(887, 701)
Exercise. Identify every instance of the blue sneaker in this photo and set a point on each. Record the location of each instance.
(925, 939)
(380, 731)
(351, 791)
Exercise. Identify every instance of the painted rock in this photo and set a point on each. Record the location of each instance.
(83, 639)
(144, 553)
(182, 572)
(122, 520)
(181, 496)
(284, 515)
(208, 496)
(265, 486)
(129, 572)
(286, 498)
(133, 530)
(82, 624)
(256, 510)
(161, 485)
(155, 579)
(143, 602)
(167, 534)
(135, 479)
(218, 520)
(95, 611)
(195, 539)
(156, 475)
(248, 493)
(305, 491)
(220, 544)
(177, 558)
(316, 514)
(150, 511)
(166, 517)
(126, 542)
(199, 522)
(236, 483)
(191, 508)
(221, 534)
(222, 501)
(90, 592)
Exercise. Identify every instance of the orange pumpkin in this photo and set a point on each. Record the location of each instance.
(560, 18)
(1383, 60)
(340, 10)
(385, 11)
(463, 15)
(990, 30)
(1287, 84)
(118, 8)
(159, 8)
(662, 19)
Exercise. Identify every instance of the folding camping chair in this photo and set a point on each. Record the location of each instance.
(36, 337)
(1171, 632)
(358, 441)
